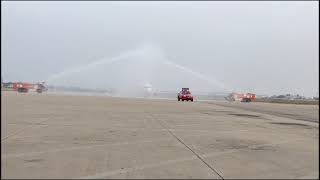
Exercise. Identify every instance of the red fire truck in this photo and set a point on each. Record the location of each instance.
(23, 87)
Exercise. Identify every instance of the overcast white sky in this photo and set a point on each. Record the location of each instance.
(263, 47)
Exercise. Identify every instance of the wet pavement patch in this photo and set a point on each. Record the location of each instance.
(246, 115)
(310, 120)
(290, 124)
(213, 112)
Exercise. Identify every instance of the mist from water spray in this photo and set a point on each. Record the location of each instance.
(103, 61)
(148, 52)
(198, 75)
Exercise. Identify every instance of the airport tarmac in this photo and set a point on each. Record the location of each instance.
(63, 136)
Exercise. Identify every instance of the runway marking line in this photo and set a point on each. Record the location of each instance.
(182, 142)
(22, 129)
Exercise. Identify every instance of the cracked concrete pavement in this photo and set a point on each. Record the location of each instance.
(61, 136)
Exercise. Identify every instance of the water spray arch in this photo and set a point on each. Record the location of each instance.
(140, 52)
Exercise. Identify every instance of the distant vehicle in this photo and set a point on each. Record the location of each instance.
(246, 97)
(40, 87)
(185, 94)
(23, 87)
(8, 85)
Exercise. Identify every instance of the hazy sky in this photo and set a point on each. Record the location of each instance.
(262, 47)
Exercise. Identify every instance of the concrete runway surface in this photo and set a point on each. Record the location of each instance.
(62, 136)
